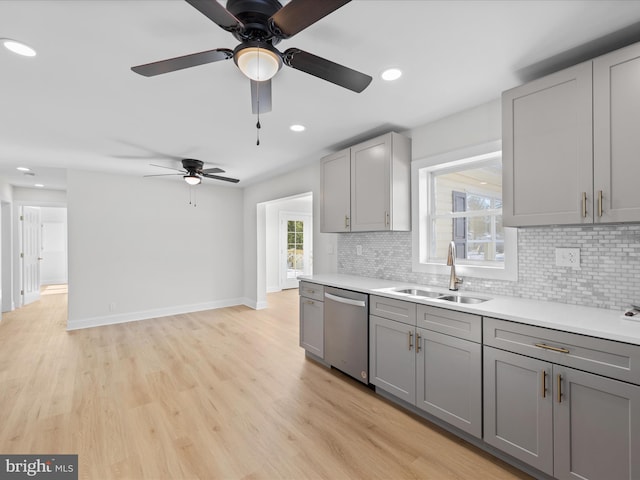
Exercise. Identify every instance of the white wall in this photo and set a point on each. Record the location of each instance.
(475, 126)
(6, 242)
(304, 179)
(39, 197)
(137, 249)
(302, 205)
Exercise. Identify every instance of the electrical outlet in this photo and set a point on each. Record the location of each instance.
(358, 249)
(568, 257)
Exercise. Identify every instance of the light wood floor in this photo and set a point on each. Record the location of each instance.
(213, 395)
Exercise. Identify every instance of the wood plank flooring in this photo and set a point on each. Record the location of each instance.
(222, 394)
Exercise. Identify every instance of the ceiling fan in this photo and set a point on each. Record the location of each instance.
(259, 25)
(193, 172)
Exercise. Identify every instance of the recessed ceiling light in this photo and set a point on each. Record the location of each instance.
(391, 74)
(297, 128)
(39, 185)
(19, 48)
(23, 169)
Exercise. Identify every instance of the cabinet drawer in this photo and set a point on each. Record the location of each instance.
(312, 290)
(390, 308)
(605, 357)
(457, 324)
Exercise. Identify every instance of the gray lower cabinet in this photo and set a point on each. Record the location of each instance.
(438, 373)
(566, 422)
(449, 379)
(518, 408)
(312, 318)
(392, 358)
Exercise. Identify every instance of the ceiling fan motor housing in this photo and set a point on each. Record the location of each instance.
(255, 15)
(192, 166)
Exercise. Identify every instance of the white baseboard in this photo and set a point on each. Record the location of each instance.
(273, 289)
(153, 313)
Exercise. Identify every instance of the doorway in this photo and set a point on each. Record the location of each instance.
(277, 214)
(296, 236)
(43, 251)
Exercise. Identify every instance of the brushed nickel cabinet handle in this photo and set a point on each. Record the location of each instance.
(553, 349)
(410, 340)
(584, 204)
(346, 221)
(559, 388)
(599, 203)
(544, 383)
(387, 219)
(418, 342)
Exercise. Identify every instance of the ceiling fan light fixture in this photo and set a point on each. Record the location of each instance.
(192, 179)
(259, 63)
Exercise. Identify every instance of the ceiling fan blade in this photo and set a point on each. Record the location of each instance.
(217, 13)
(164, 175)
(186, 61)
(260, 96)
(218, 177)
(326, 70)
(211, 170)
(169, 168)
(299, 14)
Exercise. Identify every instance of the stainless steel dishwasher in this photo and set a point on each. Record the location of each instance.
(346, 332)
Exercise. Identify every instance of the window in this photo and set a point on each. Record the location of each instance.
(458, 198)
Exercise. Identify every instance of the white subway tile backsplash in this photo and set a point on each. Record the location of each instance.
(609, 274)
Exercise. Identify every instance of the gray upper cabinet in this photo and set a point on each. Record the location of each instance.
(570, 148)
(335, 185)
(547, 149)
(367, 187)
(616, 143)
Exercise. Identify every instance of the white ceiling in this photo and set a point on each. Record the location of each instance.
(77, 104)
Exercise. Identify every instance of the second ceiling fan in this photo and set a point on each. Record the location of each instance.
(259, 25)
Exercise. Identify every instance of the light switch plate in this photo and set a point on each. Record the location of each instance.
(568, 257)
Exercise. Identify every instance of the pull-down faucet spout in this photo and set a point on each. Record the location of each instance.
(451, 261)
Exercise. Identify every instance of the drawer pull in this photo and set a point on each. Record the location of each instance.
(410, 340)
(553, 349)
(544, 384)
(559, 388)
(418, 342)
(309, 302)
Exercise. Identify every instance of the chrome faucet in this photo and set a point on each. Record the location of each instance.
(451, 262)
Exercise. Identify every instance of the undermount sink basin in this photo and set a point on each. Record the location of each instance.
(462, 299)
(419, 293)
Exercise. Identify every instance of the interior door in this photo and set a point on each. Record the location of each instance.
(295, 259)
(31, 253)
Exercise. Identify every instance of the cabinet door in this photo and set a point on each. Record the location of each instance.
(335, 188)
(392, 359)
(596, 426)
(371, 185)
(518, 407)
(616, 116)
(312, 326)
(449, 379)
(547, 150)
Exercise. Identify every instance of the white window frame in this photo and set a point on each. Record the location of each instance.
(420, 193)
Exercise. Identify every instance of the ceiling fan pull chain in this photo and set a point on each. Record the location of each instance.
(258, 126)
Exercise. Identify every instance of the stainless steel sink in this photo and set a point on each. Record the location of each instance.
(462, 299)
(419, 293)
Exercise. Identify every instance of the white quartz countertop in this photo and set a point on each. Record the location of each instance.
(595, 322)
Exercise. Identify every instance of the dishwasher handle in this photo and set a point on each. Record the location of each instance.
(348, 301)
